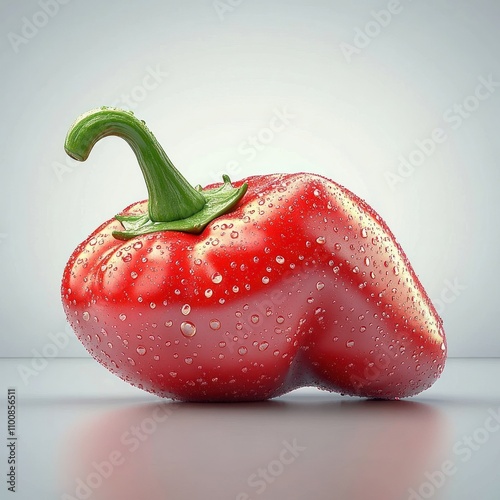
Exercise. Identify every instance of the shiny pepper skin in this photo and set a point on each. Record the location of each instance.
(301, 283)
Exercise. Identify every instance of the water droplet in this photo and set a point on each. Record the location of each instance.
(367, 261)
(122, 317)
(137, 245)
(265, 280)
(280, 319)
(152, 305)
(364, 233)
(131, 361)
(188, 360)
(214, 324)
(188, 329)
(216, 278)
(208, 293)
(276, 353)
(263, 346)
(234, 234)
(141, 350)
(362, 329)
(320, 285)
(169, 323)
(254, 318)
(350, 343)
(222, 344)
(355, 269)
(85, 316)
(127, 257)
(173, 374)
(242, 350)
(110, 345)
(317, 192)
(133, 275)
(186, 309)
(280, 259)
(337, 246)
(320, 240)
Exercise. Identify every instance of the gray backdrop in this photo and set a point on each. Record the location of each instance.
(397, 100)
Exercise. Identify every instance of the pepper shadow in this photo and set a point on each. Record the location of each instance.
(299, 446)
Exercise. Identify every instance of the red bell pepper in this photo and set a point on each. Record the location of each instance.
(246, 291)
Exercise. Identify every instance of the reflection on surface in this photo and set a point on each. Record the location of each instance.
(298, 447)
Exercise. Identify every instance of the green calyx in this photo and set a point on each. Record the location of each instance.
(173, 204)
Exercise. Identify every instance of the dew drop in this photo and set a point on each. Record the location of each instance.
(350, 343)
(186, 309)
(355, 269)
(127, 257)
(254, 318)
(320, 285)
(242, 350)
(265, 280)
(188, 360)
(173, 374)
(216, 278)
(188, 329)
(131, 361)
(367, 261)
(234, 234)
(169, 323)
(320, 240)
(85, 316)
(133, 275)
(362, 329)
(263, 346)
(364, 233)
(280, 259)
(122, 317)
(138, 245)
(214, 324)
(280, 319)
(208, 293)
(141, 350)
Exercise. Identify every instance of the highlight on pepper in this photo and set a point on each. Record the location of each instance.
(246, 290)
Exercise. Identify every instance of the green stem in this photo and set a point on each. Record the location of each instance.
(171, 197)
(174, 205)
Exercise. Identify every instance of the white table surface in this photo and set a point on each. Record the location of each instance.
(83, 433)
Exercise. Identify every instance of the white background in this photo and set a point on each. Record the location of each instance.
(363, 87)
